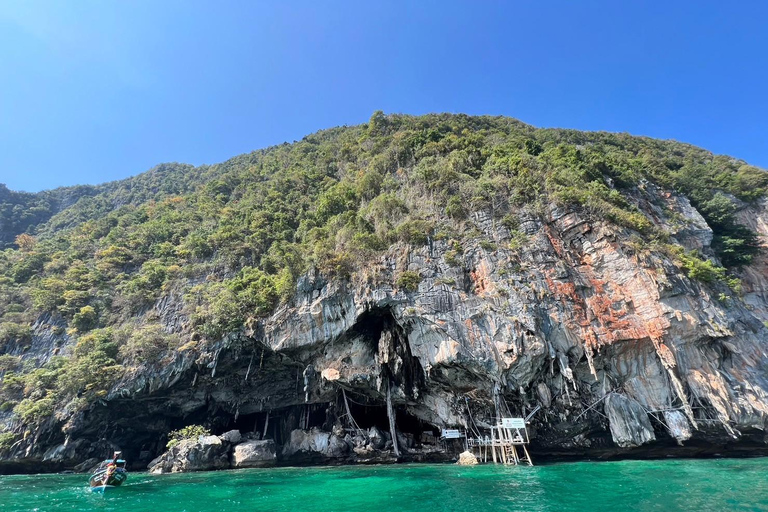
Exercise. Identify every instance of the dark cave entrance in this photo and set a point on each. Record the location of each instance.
(378, 325)
(371, 323)
(378, 329)
(367, 415)
(374, 414)
(276, 424)
(246, 423)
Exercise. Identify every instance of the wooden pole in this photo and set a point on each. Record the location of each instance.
(527, 456)
(391, 414)
(515, 458)
(500, 442)
(493, 445)
(503, 447)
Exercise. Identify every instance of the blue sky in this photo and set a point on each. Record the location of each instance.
(92, 91)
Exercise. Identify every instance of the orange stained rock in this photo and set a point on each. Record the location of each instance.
(555, 241)
(470, 330)
(481, 277)
(600, 321)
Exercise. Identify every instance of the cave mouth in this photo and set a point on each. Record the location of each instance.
(372, 322)
(141, 445)
(253, 423)
(377, 326)
(374, 414)
(367, 415)
(372, 325)
(364, 412)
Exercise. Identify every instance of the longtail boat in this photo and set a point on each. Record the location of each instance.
(110, 473)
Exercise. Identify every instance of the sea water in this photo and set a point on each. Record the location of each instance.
(664, 485)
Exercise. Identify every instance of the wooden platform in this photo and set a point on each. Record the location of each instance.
(507, 443)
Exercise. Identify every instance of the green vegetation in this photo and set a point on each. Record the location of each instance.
(408, 281)
(188, 432)
(76, 380)
(229, 241)
(6, 440)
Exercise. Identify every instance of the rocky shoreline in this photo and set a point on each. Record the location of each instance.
(314, 447)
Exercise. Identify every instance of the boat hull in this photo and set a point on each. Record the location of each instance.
(101, 480)
(102, 488)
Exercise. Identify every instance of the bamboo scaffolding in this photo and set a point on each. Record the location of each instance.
(503, 444)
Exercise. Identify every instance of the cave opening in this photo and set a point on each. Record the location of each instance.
(371, 323)
(374, 414)
(379, 327)
(246, 423)
(371, 414)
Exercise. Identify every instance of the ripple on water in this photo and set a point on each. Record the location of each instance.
(625, 486)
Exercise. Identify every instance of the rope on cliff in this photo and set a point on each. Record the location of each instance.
(475, 429)
(585, 411)
(534, 411)
(349, 414)
(361, 404)
(653, 414)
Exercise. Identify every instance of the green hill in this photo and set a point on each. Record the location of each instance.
(233, 238)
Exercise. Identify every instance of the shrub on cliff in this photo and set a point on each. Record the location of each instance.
(9, 363)
(16, 333)
(408, 281)
(144, 344)
(85, 319)
(188, 432)
(6, 440)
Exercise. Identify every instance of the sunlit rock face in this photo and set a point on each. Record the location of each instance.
(604, 342)
(571, 317)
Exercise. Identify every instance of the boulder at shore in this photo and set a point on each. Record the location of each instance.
(203, 453)
(254, 454)
(315, 445)
(467, 459)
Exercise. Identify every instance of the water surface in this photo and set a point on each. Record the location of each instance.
(701, 485)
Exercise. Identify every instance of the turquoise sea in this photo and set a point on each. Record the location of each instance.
(668, 485)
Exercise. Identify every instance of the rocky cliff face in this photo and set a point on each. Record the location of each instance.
(601, 341)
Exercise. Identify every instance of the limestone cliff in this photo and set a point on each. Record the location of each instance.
(599, 337)
(616, 346)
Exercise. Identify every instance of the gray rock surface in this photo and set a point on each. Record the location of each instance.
(254, 454)
(87, 466)
(203, 453)
(232, 437)
(315, 443)
(629, 422)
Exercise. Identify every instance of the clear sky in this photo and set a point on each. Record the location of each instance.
(92, 91)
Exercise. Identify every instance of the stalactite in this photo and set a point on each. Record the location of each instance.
(248, 372)
(391, 414)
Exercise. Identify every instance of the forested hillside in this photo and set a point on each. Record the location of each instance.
(232, 239)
